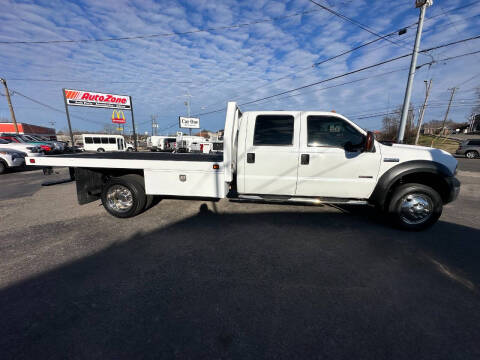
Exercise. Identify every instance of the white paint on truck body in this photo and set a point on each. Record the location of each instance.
(260, 168)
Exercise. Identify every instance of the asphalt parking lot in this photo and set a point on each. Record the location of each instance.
(195, 279)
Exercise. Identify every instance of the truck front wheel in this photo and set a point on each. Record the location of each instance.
(415, 206)
(124, 196)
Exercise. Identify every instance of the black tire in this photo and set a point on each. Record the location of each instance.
(417, 194)
(3, 167)
(135, 184)
(472, 154)
(100, 150)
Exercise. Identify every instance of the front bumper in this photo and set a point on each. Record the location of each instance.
(460, 152)
(454, 186)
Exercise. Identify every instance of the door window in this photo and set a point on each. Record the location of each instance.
(273, 130)
(331, 131)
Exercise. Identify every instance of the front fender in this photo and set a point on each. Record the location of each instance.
(389, 178)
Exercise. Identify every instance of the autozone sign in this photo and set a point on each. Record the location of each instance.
(95, 99)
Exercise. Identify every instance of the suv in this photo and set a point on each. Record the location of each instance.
(470, 148)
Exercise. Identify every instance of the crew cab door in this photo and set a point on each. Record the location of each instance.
(270, 159)
(328, 166)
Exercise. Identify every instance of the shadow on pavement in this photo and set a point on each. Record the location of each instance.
(257, 285)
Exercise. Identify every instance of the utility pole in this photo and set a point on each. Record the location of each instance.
(422, 4)
(12, 113)
(422, 112)
(448, 108)
(187, 103)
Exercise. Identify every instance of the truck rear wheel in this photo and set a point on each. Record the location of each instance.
(124, 196)
(415, 206)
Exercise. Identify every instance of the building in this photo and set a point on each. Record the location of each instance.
(28, 129)
(474, 124)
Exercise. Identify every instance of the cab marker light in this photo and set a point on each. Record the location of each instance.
(216, 166)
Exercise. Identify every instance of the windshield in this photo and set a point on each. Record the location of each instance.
(24, 138)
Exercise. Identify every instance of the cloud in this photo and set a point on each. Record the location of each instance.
(242, 64)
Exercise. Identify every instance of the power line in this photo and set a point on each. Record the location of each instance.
(362, 69)
(360, 25)
(134, 37)
(50, 107)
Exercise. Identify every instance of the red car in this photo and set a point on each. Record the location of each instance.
(46, 148)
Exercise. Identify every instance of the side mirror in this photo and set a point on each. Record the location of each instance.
(369, 142)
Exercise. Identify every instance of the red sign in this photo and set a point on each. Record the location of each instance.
(118, 117)
(94, 99)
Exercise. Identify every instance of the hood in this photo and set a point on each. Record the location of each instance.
(415, 152)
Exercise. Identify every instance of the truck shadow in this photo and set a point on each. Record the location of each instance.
(256, 285)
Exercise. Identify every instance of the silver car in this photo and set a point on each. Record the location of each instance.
(470, 148)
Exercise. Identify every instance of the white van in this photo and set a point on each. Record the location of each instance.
(161, 143)
(103, 142)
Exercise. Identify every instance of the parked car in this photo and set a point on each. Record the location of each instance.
(58, 146)
(470, 148)
(30, 150)
(11, 159)
(45, 146)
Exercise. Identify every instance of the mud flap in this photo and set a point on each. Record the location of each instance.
(89, 185)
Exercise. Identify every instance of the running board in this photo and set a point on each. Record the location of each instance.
(305, 200)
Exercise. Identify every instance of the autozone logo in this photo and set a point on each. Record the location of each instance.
(83, 95)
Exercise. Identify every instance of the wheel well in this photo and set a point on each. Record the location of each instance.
(90, 181)
(434, 181)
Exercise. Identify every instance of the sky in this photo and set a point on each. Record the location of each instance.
(271, 53)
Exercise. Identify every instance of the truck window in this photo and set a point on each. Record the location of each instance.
(88, 140)
(96, 140)
(273, 130)
(104, 140)
(331, 131)
(111, 140)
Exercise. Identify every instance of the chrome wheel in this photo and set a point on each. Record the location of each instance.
(119, 198)
(471, 155)
(416, 208)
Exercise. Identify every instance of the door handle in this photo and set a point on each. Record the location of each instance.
(305, 159)
(250, 158)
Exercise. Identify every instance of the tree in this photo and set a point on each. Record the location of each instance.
(391, 122)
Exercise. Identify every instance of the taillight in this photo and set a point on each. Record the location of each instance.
(201, 147)
(45, 147)
(32, 161)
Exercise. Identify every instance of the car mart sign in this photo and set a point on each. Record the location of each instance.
(188, 122)
(95, 99)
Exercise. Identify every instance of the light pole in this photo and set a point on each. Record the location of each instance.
(422, 4)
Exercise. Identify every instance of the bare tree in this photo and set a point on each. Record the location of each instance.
(391, 122)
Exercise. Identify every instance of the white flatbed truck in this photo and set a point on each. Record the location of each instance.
(276, 156)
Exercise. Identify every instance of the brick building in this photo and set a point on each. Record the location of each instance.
(28, 129)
